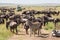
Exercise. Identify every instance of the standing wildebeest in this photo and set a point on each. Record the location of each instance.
(56, 21)
(12, 25)
(1, 21)
(16, 18)
(2, 16)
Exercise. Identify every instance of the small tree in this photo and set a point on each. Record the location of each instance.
(19, 8)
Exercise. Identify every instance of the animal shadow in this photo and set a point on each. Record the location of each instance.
(43, 35)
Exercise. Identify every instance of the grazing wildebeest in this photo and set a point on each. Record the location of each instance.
(48, 18)
(53, 12)
(38, 12)
(11, 9)
(12, 25)
(24, 12)
(3, 9)
(29, 12)
(48, 12)
(11, 13)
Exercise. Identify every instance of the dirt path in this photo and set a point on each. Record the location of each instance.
(23, 36)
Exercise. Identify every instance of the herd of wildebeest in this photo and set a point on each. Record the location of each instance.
(27, 19)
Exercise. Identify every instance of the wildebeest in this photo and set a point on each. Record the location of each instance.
(7, 16)
(29, 12)
(47, 18)
(3, 9)
(2, 21)
(56, 21)
(2, 17)
(12, 25)
(16, 18)
(11, 9)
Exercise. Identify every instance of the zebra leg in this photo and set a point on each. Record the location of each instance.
(34, 33)
(30, 32)
(38, 32)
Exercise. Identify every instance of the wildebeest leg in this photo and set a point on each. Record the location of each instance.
(55, 24)
(3, 21)
(44, 23)
(10, 29)
(6, 26)
(6, 19)
(26, 31)
(13, 30)
(16, 30)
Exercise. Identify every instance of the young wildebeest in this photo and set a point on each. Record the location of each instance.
(12, 25)
(34, 26)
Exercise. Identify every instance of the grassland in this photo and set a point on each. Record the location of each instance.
(5, 34)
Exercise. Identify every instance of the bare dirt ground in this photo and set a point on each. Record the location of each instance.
(22, 36)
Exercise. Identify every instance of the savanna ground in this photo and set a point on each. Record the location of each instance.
(7, 35)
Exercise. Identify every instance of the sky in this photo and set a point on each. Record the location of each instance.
(29, 1)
